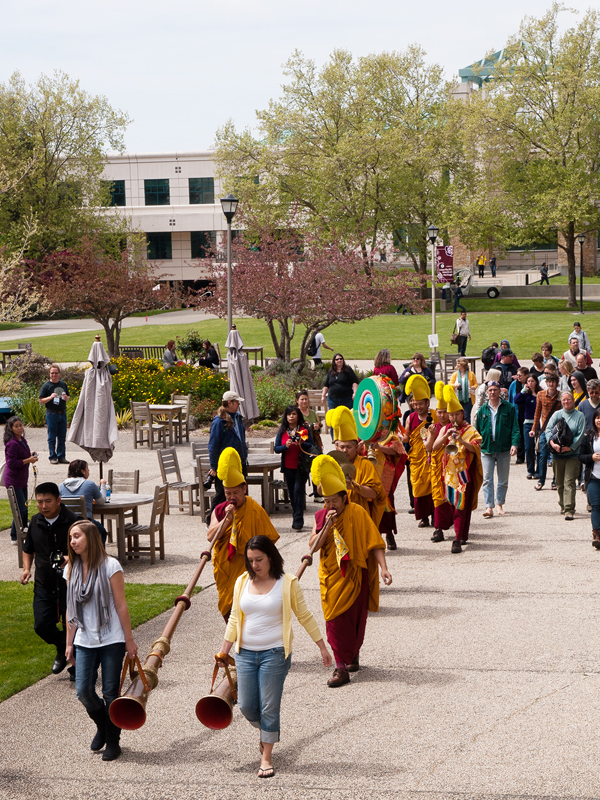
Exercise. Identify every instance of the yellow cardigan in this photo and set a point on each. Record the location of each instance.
(292, 599)
(472, 382)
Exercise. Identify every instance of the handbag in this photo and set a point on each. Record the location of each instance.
(454, 336)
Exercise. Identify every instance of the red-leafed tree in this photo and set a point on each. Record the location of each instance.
(90, 282)
(291, 283)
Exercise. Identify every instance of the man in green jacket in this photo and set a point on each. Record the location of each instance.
(499, 428)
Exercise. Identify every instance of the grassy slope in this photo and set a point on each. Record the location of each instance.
(402, 334)
(26, 659)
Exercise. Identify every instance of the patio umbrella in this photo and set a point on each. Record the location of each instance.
(94, 425)
(240, 377)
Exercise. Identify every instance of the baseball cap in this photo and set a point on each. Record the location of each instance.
(232, 396)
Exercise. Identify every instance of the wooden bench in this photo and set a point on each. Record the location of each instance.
(142, 351)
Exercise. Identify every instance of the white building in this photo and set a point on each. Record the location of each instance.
(175, 199)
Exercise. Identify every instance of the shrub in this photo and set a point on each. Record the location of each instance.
(31, 368)
(273, 394)
(124, 418)
(190, 346)
(32, 413)
(204, 410)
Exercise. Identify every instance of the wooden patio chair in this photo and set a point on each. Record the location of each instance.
(183, 423)
(21, 529)
(76, 505)
(171, 475)
(144, 427)
(204, 495)
(122, 481)
(156, 525)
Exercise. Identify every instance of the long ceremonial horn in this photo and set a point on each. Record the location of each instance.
(308, 559)
(129, 711)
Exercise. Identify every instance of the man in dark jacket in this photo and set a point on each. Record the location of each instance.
(227, 430)
(497, 423)
(46, 542)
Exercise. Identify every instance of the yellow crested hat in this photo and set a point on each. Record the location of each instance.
(229, 469)
(327, 472)
(439, 395)
(341, 419)
(452, 401)
(418, 387)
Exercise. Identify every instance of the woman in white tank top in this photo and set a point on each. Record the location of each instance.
(260, 627)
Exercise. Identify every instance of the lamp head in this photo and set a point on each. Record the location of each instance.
(229, 205)
(432, 232)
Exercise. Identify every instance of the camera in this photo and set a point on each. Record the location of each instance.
(428, 421)
(209, 482)
(294, 437)
(525, 390)
(56, 561)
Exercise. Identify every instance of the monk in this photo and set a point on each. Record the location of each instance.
(245, 519)
(365, 489)
(349, 556)
(443, 512)
(417, 431)
(462, 473)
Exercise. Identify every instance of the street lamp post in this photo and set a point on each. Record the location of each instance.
(229, 205)
(432, 232)
(581, 239)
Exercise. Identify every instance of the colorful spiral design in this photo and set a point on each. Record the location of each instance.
(365, 408)
(368, 404)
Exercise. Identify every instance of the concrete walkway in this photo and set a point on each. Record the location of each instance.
(480, 676)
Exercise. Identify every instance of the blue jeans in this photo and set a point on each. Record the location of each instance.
(296, 483)
(335, 403)
(489, 461)
(457, 305)
(87, 660)
(529, 442)
(261, 675)
(593, 495)
(57, 433)
(21, 497)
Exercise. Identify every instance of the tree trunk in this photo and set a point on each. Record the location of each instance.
(110, 338)
(276, 343)
(570, 250)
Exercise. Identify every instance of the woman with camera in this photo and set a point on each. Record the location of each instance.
(565, 451)
(589, 455)
(526, 398)
(17, 458)
(314, 426)
(295, 444)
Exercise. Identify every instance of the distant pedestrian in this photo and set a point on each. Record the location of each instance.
(319, 342)
(481, 265)
(582, 338)
(458, 293)
(544, 274)
(464, 333)
(565, 459)
(546, 349)
(54, 395)
(574, 349)
(505, 347)
(588, 373)
(493, 266)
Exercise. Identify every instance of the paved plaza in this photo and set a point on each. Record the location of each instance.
(480, 675)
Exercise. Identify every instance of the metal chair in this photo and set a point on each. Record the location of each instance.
(169, 469)
(183, 423)
(156, 525)
(122, 481)
(76, 505)
(21, 529)
(144, 426)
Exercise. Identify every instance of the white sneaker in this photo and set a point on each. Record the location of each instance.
(13, 541)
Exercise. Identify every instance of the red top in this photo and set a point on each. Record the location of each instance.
(291, 455)
(389, 371)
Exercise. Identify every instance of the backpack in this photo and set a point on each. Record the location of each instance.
(312, 348)
(562, 434)
(488, 355)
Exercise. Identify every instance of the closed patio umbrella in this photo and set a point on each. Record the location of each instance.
(94, 425)
(240, 377)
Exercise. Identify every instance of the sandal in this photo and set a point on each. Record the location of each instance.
(539, 487)
(266, 772)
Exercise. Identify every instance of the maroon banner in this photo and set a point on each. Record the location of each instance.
(445, 264)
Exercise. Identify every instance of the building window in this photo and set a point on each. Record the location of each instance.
(202, 191)
(156, 191)
(116, 192)
(203, 243)
(159, 246)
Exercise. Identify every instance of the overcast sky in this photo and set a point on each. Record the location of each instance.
(181, 68)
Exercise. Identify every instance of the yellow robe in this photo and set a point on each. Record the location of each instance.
(420, 470)
(366, 475)
(361, 536)
(437, 484)
(463, 461)
(251, 520)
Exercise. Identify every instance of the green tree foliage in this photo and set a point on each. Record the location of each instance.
(535, 129)
(53, 136)
(351, 152)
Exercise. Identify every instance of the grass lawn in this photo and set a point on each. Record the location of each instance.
(5, 515)
(525, 323)
(26, 659)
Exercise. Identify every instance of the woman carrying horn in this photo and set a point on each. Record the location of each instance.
(260, 625)
(462, 474)
(443, 512)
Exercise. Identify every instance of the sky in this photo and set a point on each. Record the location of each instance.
(182, 68)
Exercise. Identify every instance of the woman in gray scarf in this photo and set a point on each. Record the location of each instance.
(98, 630)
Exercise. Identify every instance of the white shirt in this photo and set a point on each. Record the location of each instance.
(262, 628)
(319, 339)
(494, 413)
(462, 327)
(88, 635)
(596, 469)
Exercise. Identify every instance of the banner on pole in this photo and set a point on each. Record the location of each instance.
(445, 264)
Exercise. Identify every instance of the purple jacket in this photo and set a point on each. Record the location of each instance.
(16, 473)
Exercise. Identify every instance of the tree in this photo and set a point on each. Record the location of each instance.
(292, 282)
(53, 136)
(91, 282)
(536, 129)
(350, 153)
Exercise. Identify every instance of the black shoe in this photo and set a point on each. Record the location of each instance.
(354, 666)
(391, 541)
(99, 740)
(411, 511)
(71, 672)
(113, 734)
(63, 461)
(456, 548)
(111, 751)
(424, 523)
(60, 662)
(297, 527)
(438, 536)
